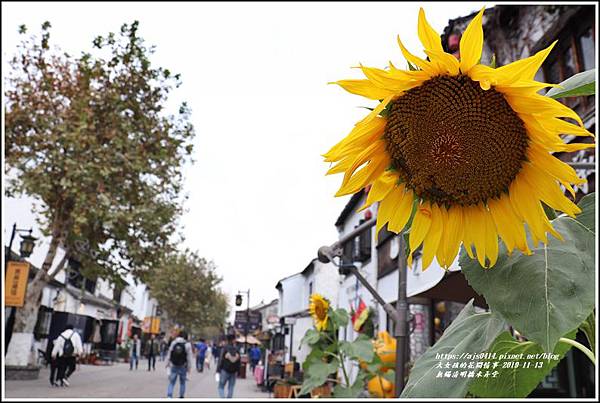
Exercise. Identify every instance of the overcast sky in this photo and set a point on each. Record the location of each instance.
(255, 76)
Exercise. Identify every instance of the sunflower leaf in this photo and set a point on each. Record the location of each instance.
(469, 334)
(580, 84)
(339, 317)
(550, 292)
(410, 66)
(493, 61)
(317, 373)
(517, 377)
(310, 337)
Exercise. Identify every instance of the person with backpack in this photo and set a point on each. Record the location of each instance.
(135, 351)
(228, 367)
(180, 359)
(67, 346)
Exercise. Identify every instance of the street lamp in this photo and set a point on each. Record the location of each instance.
(27, 243)
(25, 250)
(238, 302)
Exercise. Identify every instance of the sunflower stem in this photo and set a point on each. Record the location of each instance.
(580, 347)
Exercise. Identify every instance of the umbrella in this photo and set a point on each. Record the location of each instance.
(251, 340)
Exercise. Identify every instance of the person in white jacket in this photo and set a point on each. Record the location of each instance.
(67, 347)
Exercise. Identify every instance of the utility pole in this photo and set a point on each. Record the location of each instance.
(399, 314)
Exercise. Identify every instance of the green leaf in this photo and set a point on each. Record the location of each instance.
(361, 348)
(493, 61)
(517, 377)
(340, 317)
(580, 84)
(410, 66)
(549, 293)
(317, 374)
(310, 337)
(315, 355)
(470, 333)
(353, 391)
(587, 217)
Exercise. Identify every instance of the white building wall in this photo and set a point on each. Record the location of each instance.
(291, 300)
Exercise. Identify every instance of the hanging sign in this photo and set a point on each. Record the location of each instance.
(17, 275)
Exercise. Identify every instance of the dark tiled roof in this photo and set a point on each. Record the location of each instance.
(349, 207)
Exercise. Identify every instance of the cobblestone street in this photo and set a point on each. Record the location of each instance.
(117, 381)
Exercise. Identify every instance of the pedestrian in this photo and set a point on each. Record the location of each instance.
(180, 360)
(216, 352)
(201, 348)
(67, 347)
(228, 367)
(164, 346)
(255, 355)
(52, 362)
(152, 351)
(134, 351)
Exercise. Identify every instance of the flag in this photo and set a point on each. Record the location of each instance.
(360, 316)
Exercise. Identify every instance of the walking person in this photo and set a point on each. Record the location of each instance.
(180, 360)
(152, 351)
(164, 346)
(201, 348)
(52, 362)
(216, 352)
(135, 351)
(255, 355)
(67, 347)
(228, 367)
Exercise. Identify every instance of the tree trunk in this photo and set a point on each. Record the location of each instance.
(20, 349)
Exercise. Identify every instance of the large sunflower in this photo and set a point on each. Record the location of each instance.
(318, 308)
(468, 145)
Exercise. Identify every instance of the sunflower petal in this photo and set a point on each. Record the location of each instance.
(402, 213)
(471, 43)
(429, 38)
(417, 61)
(433, 238)
(364, 88)
(380, 189)
(420, 227)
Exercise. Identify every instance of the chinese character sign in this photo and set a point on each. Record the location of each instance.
(17, 275)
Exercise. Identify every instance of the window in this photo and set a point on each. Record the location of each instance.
(573, 54)
(358, 249)
(76, 278)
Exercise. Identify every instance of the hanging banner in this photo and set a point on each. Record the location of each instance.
(155, 327)
(17, 275)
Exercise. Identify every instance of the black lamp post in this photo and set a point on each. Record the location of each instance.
(238, 302)
(27, 243)
(25, 250)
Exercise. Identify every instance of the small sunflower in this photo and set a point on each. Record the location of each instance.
(318, 308)
(468, 145)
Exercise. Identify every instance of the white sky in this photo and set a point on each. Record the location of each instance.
(255, 76)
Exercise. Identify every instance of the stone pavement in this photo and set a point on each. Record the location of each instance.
(117, 381)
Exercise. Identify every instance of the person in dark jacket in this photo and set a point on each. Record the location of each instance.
(152, 350)
(228, 367)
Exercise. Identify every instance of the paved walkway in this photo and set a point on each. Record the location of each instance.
(117, 381)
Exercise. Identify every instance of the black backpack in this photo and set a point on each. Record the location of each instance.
(68, 348)
(179, 355)
(228, 365)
